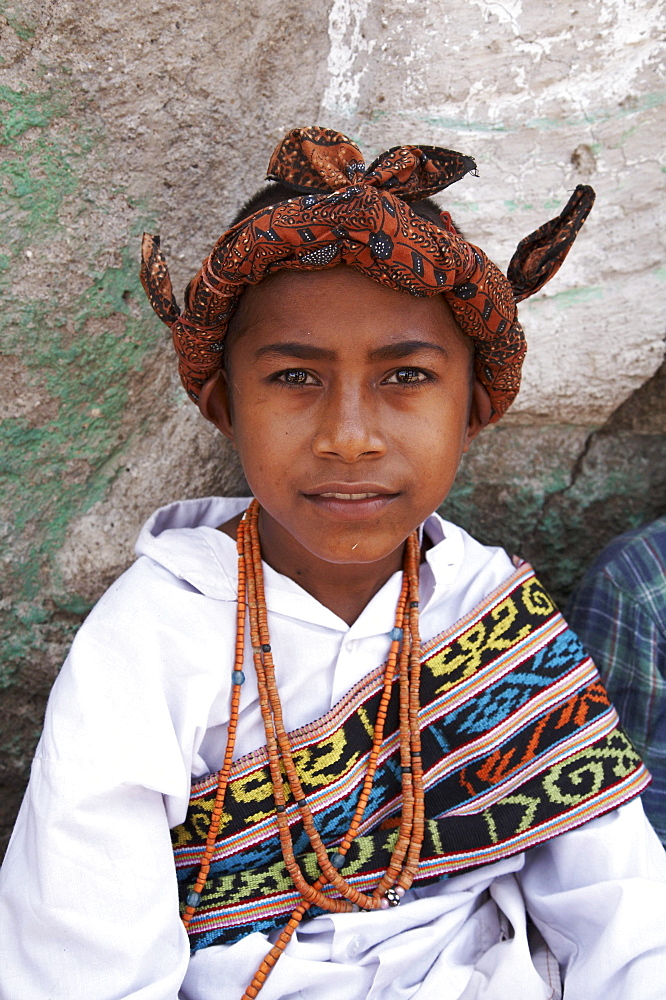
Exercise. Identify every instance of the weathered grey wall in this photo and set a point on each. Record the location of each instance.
(120, 116)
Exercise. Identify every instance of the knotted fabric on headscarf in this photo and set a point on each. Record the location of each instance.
(343, 213)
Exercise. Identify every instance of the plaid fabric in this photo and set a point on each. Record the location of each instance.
(619, 612)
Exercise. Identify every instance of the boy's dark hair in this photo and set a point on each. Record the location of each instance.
(274, 193)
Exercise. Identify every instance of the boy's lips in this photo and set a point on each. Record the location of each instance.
(351, 500)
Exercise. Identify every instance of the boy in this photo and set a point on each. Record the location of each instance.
(390, 818)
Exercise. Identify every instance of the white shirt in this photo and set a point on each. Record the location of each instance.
(88, 900)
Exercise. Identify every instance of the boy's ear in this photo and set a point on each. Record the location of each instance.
(213, 402)
(480, 411)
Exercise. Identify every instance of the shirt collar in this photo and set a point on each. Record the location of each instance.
(183, 538)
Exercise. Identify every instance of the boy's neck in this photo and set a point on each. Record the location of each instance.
(345, 589)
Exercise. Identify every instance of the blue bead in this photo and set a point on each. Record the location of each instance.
(337, 860)
(238, 677)
(193, 898)
(396, 633)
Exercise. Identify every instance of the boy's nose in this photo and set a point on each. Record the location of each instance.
(349, 427)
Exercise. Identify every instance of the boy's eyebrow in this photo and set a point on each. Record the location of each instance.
(295, 349)
(388, 352)
(405, 348)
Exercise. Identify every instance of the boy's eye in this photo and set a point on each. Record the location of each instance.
(295, 376)
(407, 376)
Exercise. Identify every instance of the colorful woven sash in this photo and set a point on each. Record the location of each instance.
(519, 744)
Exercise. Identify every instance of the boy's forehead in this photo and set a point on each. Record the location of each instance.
(339, 299)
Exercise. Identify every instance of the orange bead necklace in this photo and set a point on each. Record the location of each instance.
(404, 657)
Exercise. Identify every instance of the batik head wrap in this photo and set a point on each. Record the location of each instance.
(345, 213)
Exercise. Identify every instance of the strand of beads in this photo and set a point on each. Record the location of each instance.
(237, 679)
(412, 816)
(404, 658)
(410, 868)
(337, 859)
(273, 721)
(276, 737)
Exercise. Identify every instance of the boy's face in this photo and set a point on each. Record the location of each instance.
(350, 405)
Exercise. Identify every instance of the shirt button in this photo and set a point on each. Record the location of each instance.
(355, 947)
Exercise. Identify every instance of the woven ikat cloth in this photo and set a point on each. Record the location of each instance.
(519, 744)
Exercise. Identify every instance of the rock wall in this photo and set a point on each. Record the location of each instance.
(120, 117)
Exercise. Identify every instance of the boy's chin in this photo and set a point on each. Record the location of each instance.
(318, 544)
(356, 549)
(357, 557)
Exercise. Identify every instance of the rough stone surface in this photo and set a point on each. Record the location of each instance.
(555, 494)
(119, 117)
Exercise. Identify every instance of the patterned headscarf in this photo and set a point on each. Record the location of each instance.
(345, 213)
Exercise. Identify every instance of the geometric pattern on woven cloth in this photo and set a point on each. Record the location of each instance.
(519, 744)
(360, 217)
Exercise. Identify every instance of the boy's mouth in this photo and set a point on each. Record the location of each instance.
(357, 500)
(350, 496)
